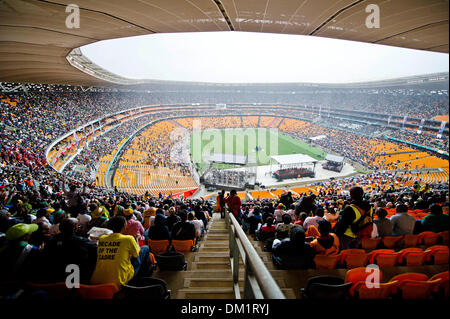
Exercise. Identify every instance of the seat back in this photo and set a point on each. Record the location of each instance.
(370, 243)
(402, 253)
(356, 260)
(158, 246)
(391, 241)
(443, 285)
(438, 254)
(346, 252)
(386, 259)
(415, 258)
(412, 289)
(383, 290)
(408, 276)
(410, 240)
(444, 236)
(378, 251)
(326, 262)
(103, 291)
(356, 275)
(428, 238)
(182, 246)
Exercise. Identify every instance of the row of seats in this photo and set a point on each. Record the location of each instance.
(353, 258)
(426, 238)
(145, 289)
(357, 285)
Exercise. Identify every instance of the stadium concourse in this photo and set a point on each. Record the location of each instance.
(78, 163)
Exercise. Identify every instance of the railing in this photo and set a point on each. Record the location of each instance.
(258, 282)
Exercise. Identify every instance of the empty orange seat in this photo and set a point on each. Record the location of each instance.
(326, 262)
(444, 237)
(402, 253)
(410, 240)
(182, 246)
(103, 291)
(158, 246)
(383, 291)
(391, 241)
(408, 276)
(413, 289)
(357, 275)
(374, 253)
(415, 258)
(356, 260)
(438, 254)
(428, 238)
(386, 259)
(370, 243)
(443, 285)
(352, 251)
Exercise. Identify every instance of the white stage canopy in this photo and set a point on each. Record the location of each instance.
(319, 137)
(334, 158)
(228, 158)
(293, 159)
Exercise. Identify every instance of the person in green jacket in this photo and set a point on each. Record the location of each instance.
(436, 221)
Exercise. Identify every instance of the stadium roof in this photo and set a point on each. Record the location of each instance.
(293, 159)
(35, 43)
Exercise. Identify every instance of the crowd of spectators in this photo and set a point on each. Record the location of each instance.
(324, 223)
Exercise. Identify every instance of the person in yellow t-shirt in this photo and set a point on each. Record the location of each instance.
(119, 258)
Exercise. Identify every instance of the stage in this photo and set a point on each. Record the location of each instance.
(264, 176)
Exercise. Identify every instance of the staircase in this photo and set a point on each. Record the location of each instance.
(209, 273)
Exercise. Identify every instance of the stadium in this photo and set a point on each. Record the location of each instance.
(209, 187)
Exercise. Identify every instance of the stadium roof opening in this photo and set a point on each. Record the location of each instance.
(238, 57)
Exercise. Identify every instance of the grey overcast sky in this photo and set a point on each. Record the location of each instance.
(235, 57)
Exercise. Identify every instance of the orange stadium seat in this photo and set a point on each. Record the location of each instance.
(408, 276)
(383, 291)
(158, 246)
(444, 237)
(353, 258)
(103, 291)
(391, 241)
(357, 275)
(443, 286)
(438, 254)
(386, 259)
(410, 240)
(428, 238)
(182, 246)
(326, 262)
(370, 243)
(414, 289)
(411, 256)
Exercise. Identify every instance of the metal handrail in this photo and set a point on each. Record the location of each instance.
(258, 282)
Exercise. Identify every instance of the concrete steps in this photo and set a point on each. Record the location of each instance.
(210, 274)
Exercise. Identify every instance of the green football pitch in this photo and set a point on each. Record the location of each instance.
(244, 142)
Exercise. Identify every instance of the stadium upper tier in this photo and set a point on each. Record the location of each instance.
(80, 133)
(35, 42)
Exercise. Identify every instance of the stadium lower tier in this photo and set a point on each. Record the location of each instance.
(157, 159)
